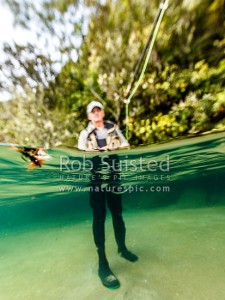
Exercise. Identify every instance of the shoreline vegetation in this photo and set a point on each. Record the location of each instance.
(182, 94)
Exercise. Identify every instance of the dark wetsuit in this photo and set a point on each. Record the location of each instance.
(99, 197)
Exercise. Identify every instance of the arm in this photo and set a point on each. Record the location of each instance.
(123, 141)
(82, 144)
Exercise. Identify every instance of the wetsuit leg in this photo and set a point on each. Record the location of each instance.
(114, 202)
(98, 205)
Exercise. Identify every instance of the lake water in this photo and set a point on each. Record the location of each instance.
(174, 210)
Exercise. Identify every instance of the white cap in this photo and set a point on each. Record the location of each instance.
(92, 105)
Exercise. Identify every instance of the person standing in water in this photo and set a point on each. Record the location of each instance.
(103, 135)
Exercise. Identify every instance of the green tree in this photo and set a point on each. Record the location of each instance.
(182, 91)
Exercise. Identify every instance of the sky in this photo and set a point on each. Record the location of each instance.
(6, 29)
(21, 36)
(8, 34)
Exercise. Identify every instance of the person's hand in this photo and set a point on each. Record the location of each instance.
(113, 148)
(124, 145)
(105, 148)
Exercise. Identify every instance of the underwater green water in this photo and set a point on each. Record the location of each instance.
(174, 205)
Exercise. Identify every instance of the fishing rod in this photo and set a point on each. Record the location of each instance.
(147, 49)
(137, 68)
